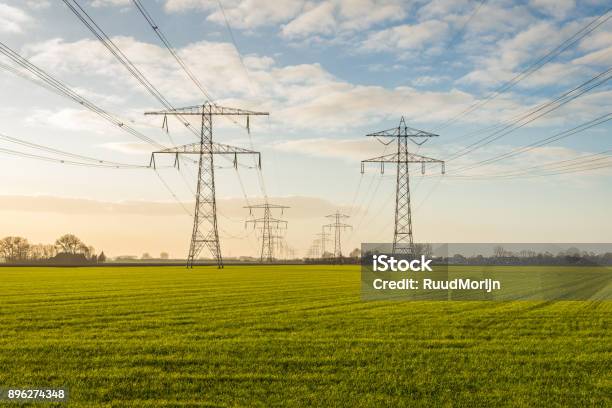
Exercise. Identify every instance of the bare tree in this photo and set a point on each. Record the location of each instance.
(70, 244)
(499, 251)
(423, 249)
(14, 249)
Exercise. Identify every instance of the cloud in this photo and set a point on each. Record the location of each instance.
(406, 36)
(319, 20)
(74, 120)
(511, 54)
(300, 96)
(299, 19)
(342, 17)
(13, 19)
(242, 14)
(556, 8)
(428, 80)
(346, 149)
(304, 96)
(128, 147)
(110, 3)
(38, 4)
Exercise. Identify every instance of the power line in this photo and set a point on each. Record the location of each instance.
(64, 153)
(54, 85)
(110, 45)
(173, 194)
(461, 31)
(171, 49)
(542, 142)
(536, 113)
(260, 177)
(533, 67)
(70, 162)
(231, 34)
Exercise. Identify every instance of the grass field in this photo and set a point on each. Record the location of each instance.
(290, 336)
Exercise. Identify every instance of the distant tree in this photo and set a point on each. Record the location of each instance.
(499, 251)
(14, 249)
(101, 257)
(146, 256)
(49, 251)
(164, 255)
(88, 251)
(355, 253)
(36, 252)
(423, 249)
(327, 254)
(70, 244)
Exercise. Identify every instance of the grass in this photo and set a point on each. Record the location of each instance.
(290, 336)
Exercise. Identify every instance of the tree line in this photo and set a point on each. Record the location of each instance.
(67, 249)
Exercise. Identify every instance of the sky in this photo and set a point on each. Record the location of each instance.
(328, 72)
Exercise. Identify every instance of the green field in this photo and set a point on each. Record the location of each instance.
(290, 336)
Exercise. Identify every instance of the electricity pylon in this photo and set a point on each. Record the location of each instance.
(323, 240)
(205, 232)
(267, 223)
(313, 251)
(338, 227)
(402, 237)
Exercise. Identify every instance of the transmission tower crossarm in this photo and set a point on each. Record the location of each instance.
(215, 148)
(405, 157)
(409, 158)
(207, 148)
(208, 109)
(339, 225)
(402, 130)
(266, 206)
(270, 220)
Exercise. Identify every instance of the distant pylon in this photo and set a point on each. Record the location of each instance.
(313, 251)
(338, 227)
(403, 242)
(205, 232)
(323, 240)
(266, 224)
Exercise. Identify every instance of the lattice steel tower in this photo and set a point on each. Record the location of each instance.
(323, 240)
(205, 231)
(267, 223)
(403, 242)
(338, 227)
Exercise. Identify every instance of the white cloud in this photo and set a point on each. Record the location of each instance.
(555, 8)
(406, 36)
(345, 149)
(12, 19)
(305, 96)
(319, 19)
(38, 4)
(298, 18)
(596, 40)
(242, 14)
(128, 147)
(515, 53)
(74, 120)
(428, 80)
(110, 3)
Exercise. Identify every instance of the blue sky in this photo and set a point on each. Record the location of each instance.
(328, 72)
